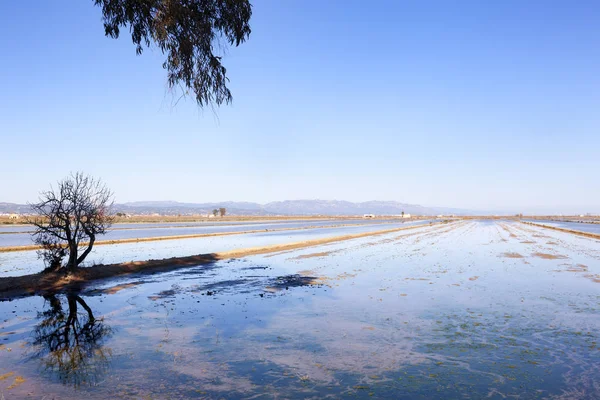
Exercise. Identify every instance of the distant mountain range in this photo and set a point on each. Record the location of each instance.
(288, 207)
(12, 208)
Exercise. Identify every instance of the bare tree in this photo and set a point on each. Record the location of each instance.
(192, 34)
(70, 218)
(70, 344)
(222, 211)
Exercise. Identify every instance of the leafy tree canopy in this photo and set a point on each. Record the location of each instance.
(189, 32)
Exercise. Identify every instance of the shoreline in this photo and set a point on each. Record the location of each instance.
(27, 285)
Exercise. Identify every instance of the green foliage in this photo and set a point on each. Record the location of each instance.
(189, 33)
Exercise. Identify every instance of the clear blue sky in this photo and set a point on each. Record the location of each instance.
(474, 104)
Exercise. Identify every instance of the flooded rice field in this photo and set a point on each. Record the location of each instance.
(469, 309)
(217, 222)
(576, 226)
(21, 235)
(27, 262)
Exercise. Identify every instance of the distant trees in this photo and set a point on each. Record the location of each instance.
(215, 212)
(189, 33)
(222, 211)
(69, 217)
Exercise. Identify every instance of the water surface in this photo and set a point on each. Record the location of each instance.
(26, 262)
(465, 310)
(576, 226)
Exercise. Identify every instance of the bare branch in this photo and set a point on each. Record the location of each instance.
(76, 212)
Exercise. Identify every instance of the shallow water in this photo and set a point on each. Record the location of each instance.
(469, 309)
(576, 226)
(22, 236)
(136, 232)
(26, 262)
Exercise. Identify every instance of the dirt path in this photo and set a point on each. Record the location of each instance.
(12, 287)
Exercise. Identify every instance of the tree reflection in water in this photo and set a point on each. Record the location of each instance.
(69, 343)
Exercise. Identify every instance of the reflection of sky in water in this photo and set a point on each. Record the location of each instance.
(129, 231)
(576, 226)
(151, 225)
(437, 312)
(24, 262)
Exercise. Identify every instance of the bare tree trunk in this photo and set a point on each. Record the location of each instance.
(72, 263)
(75, 213)
(87, 308)
(87, 251)
(72, 317)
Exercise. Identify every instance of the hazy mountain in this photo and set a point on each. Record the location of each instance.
(12, 208)
(340, 207)
(168, 204)
(287, 207)
(174, 208)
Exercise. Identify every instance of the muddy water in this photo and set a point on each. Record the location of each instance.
(438, 312)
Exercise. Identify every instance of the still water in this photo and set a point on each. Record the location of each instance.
(26, 262)
(469, 309)
(576, 226)
(21, 236)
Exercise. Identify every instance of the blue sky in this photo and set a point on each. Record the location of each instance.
(473, 104)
